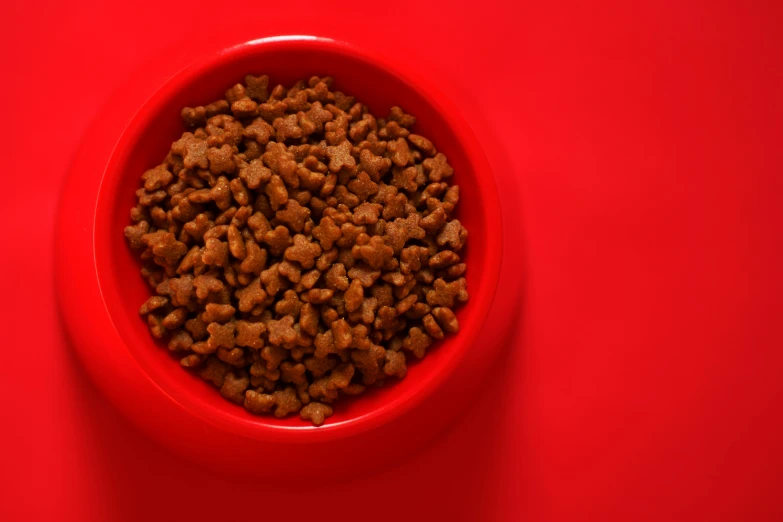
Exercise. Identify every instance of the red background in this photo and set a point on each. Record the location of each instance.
(639, 153)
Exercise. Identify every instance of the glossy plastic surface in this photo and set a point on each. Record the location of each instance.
(101, 289)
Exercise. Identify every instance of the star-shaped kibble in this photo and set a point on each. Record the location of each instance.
(192, 150)
(423, 144)
(255, 174)
(181, 289)
(287, 128)
(221, 335)
(316, 413)
(297, 102)
(374, 166)
(438, 168)
(294, 215)
(281, 332)
(417, 342)
(368, 362)
(404, 178)
(272, 110)
(277, 192)
(319, 116)
(447, 294)
(363, 186)
(453, 234)
(394, 364)
(366, 213)
(215, 253)
(293, 372)
(327, 232)
(303, 251)
(400, 152)
(259, 131)
(256, 87)
(249, 334)
(287, 402)
(250, 296)
(278, 240)
(157, 178)
(224, 129)
(289, 304)
(340, 157)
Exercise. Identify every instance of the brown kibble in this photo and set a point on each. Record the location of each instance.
(446, 319)
(354, 296)
(400, 152)
(290, 271)
(395, 364)
(152, 304)
(221, 160)
(244, 108)
(375, 166)
(417, 342)
(234, 386)
(214, 370)
(447, 294)
(259, 402)
(303, 251)
(336, 278)
(364, 274)
(373, 251)
(287, 128)
(316, 413)
(369, 363)
(327, 232)
(366, 213)
(192, 150)
(453, 235)
(249, 334)
(282, 332)
(215, 253)
(235, 243)
(220, 335)
(256, 87)
(175, 319)
(294, 215)
(278, 240)
(432, 327)
(405, 120)
(278, 194)
(156, 178)
(437, 168)
(180, 341)
(443, 259)
(423, 144)
(255, 260)
(251, 295)
(287, 401)
(191, 360)
(319, 295)
(340, 157)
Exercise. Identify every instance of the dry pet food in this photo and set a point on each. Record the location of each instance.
(298, 247)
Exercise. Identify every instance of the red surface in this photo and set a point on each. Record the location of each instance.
(100, 299)
(639, 150)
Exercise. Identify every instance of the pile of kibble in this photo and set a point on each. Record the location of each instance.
(298, 247)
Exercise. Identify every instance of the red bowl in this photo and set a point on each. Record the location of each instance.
(100, 287)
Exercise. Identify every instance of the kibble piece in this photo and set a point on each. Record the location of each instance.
(259, 402)
(316, 412)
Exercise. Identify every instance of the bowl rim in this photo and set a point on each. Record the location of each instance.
(398, 404)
